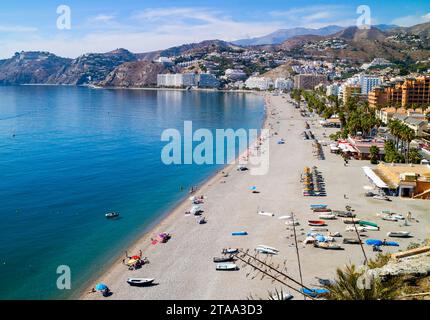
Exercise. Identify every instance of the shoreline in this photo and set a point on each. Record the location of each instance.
(176, 209)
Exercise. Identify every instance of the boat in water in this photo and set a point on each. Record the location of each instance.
(140, 282)
(226, 266)
(112, 215)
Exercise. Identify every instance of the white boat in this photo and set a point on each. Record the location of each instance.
(319, 229)
(309, 240)
(282, 296)
(267, 214)
(266, 251)
(111, 215)
(230, 251)
(399, 234)
(285, 217)
(226, 266)
(399, 216)
(292, 223)
(140, 281)
(327, 216)
(389, 217)
(267, 247)
(371, 228)
(352, 229)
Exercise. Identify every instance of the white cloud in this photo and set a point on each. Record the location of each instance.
(411, 20)
(20, 29)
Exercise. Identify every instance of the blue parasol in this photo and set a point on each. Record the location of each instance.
(101, 287)
(253, 188)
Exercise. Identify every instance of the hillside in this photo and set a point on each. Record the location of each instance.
(134, 74)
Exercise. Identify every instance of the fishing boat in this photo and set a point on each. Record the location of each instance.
(344, 214)
(140, 282)
(327, 246)
(316, 223)
(371, 228)
(351, 241)
(282, 296)
(364, 223)
(239, 233)
(201, 220)
(319, 229)
(111, 215)
(398, 216)
(285, 217)
(292, 223)
(352, 229)
(230, 251)
(223, 259)
(267, 214)
(327, 216)
(399, 234)
(319, 206)
(226, 267)
(350, 221)
(322, 210)
(266, 251)
(267, 247)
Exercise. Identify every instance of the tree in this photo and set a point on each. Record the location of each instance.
(374, 154)
(415, 156)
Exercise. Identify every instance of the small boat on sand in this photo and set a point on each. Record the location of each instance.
(352, 229)
(111, 215)
(371, 228)
(327, 216)
(350, 221)
(239, 233)
(267, 214)
(378, 243)
(327, 246)
(226, 267)
(230, 251)
(364, 223)
(319, 229)
(267, 247)
(399, 234)
(140, 282)
(292, 223)
(344, 214)
(383, 198)
(285, 217)
(223, 259)
(316, 223)
(351, 241)
(266, 251)
(389, 217)
(322, 210)
(319, 206)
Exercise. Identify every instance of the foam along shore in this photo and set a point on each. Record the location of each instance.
(183, 267)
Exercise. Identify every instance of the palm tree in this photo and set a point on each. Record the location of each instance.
(408, 135)
(374, 154)
(349, 285)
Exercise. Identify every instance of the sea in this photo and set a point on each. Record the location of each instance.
(69, 155)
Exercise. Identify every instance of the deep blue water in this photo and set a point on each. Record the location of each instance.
(68, 155)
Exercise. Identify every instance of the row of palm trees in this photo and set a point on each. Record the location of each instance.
(403, 135)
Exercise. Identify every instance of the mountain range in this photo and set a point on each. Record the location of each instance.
(282, 35)
(123, 68)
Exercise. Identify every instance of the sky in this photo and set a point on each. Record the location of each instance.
(148, 25)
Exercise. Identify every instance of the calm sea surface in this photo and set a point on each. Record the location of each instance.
(68, 155)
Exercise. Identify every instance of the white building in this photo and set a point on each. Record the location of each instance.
(176, 80)
(260, 83)
(284, 84)
(164, 60)
(235, 74)
(333, 90)
(367, 83)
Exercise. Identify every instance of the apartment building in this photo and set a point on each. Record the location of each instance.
(309, 81)
(260, 83)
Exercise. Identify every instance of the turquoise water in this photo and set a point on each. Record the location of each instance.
(68, 155)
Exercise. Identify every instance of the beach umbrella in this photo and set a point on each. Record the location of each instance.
(253, 188)
(101, 287)
(135, 257)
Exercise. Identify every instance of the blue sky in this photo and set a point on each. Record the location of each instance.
(146, 25)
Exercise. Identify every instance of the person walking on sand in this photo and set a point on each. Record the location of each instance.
(409, 217)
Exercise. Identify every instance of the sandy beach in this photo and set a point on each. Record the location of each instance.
(183, 267)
